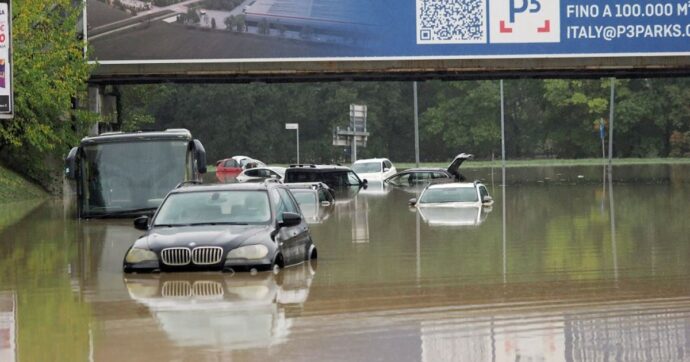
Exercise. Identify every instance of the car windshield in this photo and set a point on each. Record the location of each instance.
(454, 194)
(214, 207)
(367, 167)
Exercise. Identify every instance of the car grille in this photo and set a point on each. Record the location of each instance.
(203, 255)
(207, 255)
(176, 256)
(185, 289)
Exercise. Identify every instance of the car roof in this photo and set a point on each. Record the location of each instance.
(425, 169)
(316, 168)
(306, 185)
(453, 185)
(372, 160)
(247, 186)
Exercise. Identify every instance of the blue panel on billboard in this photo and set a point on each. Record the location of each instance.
(235, 30)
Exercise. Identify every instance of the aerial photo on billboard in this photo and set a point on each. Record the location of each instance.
(131, 31)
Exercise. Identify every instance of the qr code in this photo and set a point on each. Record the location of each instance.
(451, 21)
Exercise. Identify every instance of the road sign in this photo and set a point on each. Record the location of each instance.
(291, 125)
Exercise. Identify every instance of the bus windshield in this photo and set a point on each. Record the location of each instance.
(128, 177)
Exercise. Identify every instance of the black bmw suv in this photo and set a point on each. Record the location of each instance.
(222, 227)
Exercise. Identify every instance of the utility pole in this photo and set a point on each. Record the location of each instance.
(612, 108)
(503, 132)
(416, 125)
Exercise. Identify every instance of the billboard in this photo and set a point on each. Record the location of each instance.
(6, 101)
(282, 32)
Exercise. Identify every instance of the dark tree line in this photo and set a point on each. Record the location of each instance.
(544, 118)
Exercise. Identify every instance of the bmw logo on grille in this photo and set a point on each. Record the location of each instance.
(192, 244)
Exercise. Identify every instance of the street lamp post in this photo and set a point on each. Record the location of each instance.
(294, 126)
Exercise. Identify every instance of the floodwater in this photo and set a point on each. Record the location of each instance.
(564, 266)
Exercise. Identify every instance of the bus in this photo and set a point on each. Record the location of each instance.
(121, 174)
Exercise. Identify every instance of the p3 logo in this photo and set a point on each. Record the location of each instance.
(532, 6)
(525, 21)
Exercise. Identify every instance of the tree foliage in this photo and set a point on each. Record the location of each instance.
(49, 75)
(543, 118)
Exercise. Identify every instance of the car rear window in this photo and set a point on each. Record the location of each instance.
(455, 194)
(304, 197)
(367, 167)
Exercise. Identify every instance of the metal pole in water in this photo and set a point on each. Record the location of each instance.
(612, 107)
(416, 125)
(503, 134)
(354, 147)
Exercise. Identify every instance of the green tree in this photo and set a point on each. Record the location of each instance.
(230, 22)
(49, 76)
(192, 16)
(264, 27)
(241, 24)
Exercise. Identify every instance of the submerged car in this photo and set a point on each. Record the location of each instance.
(236, 164)
(260, 174)
(316, 200)
(454, 194)
(335, 176)
(374, 169)
(416, 176)
(222, 227)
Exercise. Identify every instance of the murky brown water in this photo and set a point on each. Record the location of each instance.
(562, 267)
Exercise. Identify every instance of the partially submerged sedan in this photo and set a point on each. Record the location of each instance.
(222, 227)
(315, 199)
(261, 173)
(412, 177)
(374, 169)
(455, 194)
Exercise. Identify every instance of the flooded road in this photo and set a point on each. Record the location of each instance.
(564, 266)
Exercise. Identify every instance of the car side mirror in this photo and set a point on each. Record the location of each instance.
(386, 169)
(290, 219)
(413, 201)
(141, 223)
(199, 156)
(71, 164)
(487, 199)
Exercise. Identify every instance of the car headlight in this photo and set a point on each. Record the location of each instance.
(136, 255)
(248, 252)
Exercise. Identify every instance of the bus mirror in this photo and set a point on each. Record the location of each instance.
(71, 164)
(200, 156)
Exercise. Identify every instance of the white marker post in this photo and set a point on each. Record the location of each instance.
(294, 126)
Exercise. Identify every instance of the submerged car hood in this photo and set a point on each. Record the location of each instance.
(202, 235)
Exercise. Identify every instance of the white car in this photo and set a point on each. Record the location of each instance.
(374, 169)
(244, 161)
(454, 194)
(261, 173)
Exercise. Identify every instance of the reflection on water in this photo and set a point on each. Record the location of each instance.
(226, 311)
(564, 268)
(454, 216)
